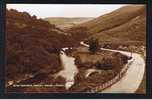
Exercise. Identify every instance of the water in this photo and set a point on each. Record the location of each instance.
(69, 71)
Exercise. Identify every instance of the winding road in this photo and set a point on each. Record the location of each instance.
(133, 77)
(129, 83)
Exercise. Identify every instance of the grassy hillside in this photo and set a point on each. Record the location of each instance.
(130, 32)
(113, 19)
(125, 25)
(64, 22)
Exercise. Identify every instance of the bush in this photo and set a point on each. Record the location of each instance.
(105, 64)
(93, 45)
(77, 60)
(79, 77)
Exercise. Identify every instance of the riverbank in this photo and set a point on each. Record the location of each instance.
(75, 80)
(93, 70)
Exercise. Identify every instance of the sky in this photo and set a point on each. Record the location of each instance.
(65, 10)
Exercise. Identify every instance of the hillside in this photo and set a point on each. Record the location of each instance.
(35, 54)
(124, 25)
(32, 45)
(130, 32)
(64, 22)
(113, 19)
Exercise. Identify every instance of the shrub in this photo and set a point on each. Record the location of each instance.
(105, 64)
(93, 45)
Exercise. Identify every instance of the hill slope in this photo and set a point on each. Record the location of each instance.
(113, 19)
(129, 32)
(32, 45)
(126, 24)
(64, 22)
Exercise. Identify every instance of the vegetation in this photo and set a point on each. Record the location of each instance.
(107, 64)
(32, 45)
(93, 45)
(86, 84)
(127, 24)
(104, 60)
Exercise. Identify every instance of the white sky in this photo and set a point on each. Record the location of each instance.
(65, 10)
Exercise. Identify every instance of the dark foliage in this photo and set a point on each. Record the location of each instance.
(32, 45)
(93, 45)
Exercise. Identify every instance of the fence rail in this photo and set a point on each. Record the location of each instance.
(114, 80)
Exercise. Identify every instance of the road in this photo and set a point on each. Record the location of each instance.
(133, 77)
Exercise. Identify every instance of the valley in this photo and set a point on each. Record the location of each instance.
(64, 23)
(79, 54)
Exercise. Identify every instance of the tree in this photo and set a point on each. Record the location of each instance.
(93, 45)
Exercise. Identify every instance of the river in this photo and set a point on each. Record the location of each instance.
(70, 69)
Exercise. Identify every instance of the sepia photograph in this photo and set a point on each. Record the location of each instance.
(75, 48)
